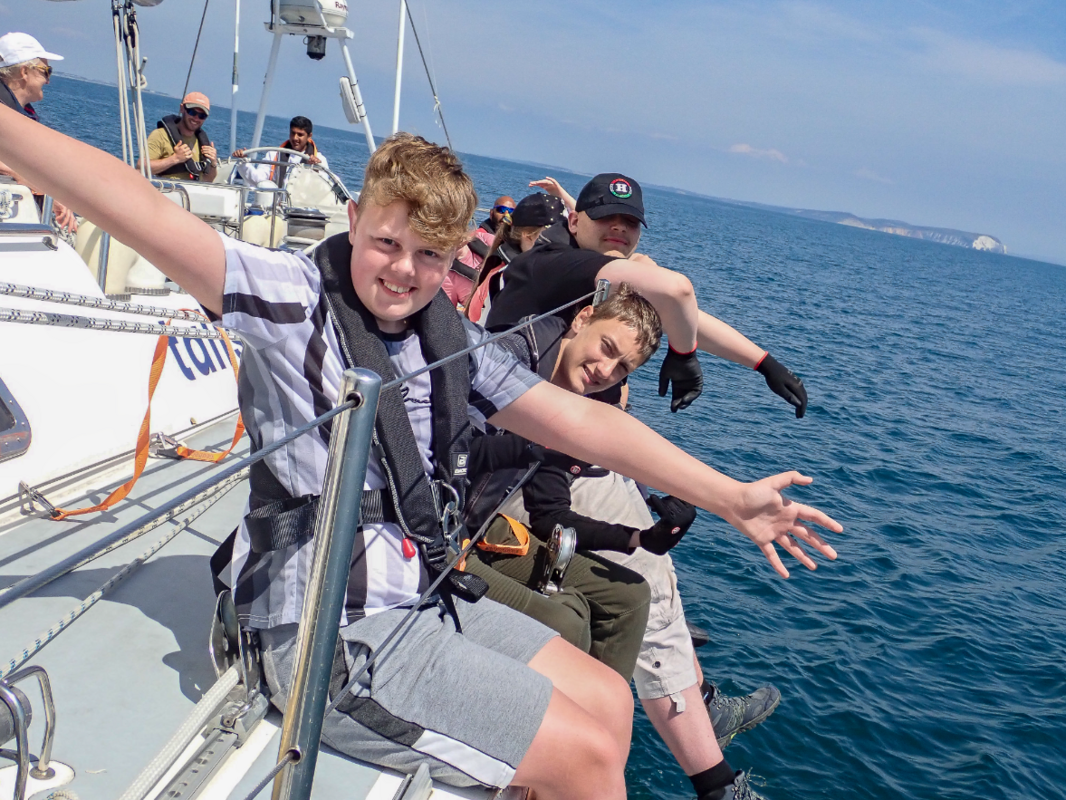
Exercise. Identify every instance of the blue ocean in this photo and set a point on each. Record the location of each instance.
(928, 660)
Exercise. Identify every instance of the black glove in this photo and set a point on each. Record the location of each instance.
(784, 383)
(675, 518)
(574, 466)
(685, 373)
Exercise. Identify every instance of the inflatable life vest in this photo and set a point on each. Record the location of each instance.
(278, 519)
(191, 169)
(7, 98)
(536, 347)
(278, 171)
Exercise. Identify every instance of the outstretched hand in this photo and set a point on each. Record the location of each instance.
(767, 517)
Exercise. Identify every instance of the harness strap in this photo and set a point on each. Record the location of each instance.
(282, 523)
(159, 359)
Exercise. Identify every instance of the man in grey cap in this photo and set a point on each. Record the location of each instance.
(24, 71)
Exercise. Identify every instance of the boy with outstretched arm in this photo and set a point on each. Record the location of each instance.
(561, 722)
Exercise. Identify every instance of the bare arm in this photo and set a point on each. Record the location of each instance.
(719, 339)
(563, 421)
(553, 187)
(119, 201)
(670, 292)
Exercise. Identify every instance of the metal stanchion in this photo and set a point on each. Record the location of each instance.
(336, 527)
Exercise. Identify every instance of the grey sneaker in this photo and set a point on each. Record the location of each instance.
(733, 715)
(740, 788)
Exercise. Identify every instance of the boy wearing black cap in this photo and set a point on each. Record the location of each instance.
(604, 233)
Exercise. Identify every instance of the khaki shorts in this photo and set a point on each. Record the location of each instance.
(666, 663)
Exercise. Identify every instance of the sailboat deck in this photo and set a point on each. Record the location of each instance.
(128, 672)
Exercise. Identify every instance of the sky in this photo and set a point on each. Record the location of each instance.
(948, 113)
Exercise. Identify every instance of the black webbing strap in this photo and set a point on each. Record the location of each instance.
(282, 523)
(440, 331)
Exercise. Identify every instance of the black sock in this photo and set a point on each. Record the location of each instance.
(709, 782)
(705, 689)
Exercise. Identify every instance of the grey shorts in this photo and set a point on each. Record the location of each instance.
(666, 662)
(464, 703)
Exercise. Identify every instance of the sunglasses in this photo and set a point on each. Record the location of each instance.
(46, 71)
(503, 209)
(196, 112)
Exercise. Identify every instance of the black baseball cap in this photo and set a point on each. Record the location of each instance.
(537, 210)
(611, 193)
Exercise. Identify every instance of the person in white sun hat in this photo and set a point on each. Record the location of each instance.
(24, 71)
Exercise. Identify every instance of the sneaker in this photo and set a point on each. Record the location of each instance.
(733, 715)
(740, 789)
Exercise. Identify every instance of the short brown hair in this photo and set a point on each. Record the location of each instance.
(635, 312)
(430, 179)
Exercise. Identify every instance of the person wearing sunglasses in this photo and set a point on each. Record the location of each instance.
(179, 148)
(24, 71)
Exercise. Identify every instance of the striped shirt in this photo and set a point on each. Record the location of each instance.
(290, 373)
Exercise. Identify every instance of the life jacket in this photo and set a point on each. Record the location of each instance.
(191, 169)
(535, 346)
(277, 519)
(479, 247)
(7, 98)
(279, 170)
(459, 268)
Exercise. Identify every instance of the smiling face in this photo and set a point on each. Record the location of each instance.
(191, 121)
(36, 77)
(596, 355)
(298, 139)
(394, 271)
(617, 235)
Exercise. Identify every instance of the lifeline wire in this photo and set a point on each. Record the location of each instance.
(484, 342)
(290, 756)
(88, 301)
(124, 536)
(425, 595)
(225, 473)
(45, 577)
(93, 324)
(43, 639)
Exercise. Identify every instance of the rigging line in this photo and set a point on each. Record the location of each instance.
(399, 631)
(49, 575)
(88, 301)
(483, 342)
(98, 324)
(290, 755)
(429, 77)
(30, 650)
(195, 48)
(32, 583)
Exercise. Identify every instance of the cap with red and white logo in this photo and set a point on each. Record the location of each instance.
(611, 193)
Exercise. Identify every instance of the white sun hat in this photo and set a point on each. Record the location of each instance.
(18, 48)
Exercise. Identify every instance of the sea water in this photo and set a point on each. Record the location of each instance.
(927, 661)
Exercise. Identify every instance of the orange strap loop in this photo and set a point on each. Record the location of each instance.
(501, 533)
(159, 358)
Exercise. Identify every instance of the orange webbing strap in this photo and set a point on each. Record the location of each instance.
(159, 358)
(506, 527)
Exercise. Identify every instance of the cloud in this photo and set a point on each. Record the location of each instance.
(70, 33)
(754, 152)
(986, 62)
(869, 175)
